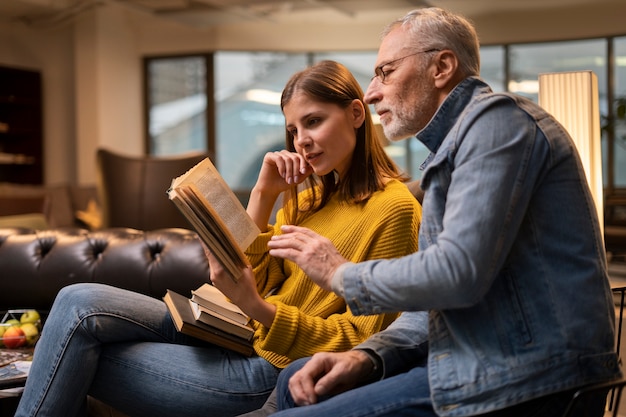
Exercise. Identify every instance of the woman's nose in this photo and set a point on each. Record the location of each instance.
(303, 140)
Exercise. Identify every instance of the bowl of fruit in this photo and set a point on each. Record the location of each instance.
(20, 328)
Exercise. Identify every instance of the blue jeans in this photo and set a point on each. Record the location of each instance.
(408, 395)
(122, 348)
(405, 395)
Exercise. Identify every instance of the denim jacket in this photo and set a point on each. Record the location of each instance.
(511, 266)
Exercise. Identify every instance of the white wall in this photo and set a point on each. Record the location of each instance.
(92, 67)
(48, 50)
(109, 88)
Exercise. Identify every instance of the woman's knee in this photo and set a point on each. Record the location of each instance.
(77, 292)
(77, 299)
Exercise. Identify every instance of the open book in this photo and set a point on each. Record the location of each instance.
(182, 315)
(204, 198)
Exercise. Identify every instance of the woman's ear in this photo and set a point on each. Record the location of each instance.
(358, 112)
(447, 65)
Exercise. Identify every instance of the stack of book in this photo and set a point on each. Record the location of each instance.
(210, 306)
(203, 317)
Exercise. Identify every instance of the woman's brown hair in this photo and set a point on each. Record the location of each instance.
(331, 82)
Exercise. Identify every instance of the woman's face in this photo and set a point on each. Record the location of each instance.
(323, 133)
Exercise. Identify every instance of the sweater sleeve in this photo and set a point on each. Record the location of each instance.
(268, 270)
(296, 334)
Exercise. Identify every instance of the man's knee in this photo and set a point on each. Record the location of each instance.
(284, 399)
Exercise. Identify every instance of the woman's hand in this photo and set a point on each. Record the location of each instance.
(281, 170)
(243, 292)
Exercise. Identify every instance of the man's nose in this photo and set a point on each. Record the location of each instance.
(372, 94)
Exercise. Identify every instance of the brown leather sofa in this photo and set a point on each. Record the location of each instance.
(35, 265)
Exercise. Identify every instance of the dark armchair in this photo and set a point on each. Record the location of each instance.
(132, 190)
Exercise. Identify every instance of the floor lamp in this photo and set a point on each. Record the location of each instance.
(572, 97)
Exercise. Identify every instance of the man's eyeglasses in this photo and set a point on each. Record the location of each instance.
(381, 74)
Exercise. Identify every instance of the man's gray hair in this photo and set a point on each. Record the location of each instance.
(435, 28)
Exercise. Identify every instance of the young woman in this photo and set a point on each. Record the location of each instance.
(122, 348)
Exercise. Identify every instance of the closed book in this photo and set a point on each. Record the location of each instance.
(223, 323)
(209, 297)
(185, 322)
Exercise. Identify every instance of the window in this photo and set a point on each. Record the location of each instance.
(249, 122)
(619, 107)
(176, 100)
(492, 67)
(243, 120)
(529, 60)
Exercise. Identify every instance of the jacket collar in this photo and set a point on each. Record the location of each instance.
(450, 111)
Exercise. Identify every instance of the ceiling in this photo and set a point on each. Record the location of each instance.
(205, 13)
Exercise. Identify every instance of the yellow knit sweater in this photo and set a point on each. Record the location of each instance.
(309, 319)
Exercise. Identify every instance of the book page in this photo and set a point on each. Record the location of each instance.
(227, 253)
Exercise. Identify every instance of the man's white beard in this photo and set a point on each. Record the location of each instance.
(396, 137)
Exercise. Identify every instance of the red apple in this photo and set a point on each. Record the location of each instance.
(14, 337)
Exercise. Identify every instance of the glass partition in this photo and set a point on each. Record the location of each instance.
(492, 67)
(619, 111)
(176, 98)
(249, 122)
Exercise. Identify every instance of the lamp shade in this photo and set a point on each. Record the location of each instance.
(572, 98)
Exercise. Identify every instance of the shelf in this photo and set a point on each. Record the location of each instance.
(21, 126)
(16, 159)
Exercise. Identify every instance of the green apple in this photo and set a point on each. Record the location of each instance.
(2, 330)
(14, 337)
(31, 332)
(12, 322)
(30, 316)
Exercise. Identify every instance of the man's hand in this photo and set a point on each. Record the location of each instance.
(316, 255)
(329, 373)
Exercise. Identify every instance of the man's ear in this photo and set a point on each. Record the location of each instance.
(447, 65)
(358, 112)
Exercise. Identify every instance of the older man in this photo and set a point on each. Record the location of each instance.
(511, 267)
